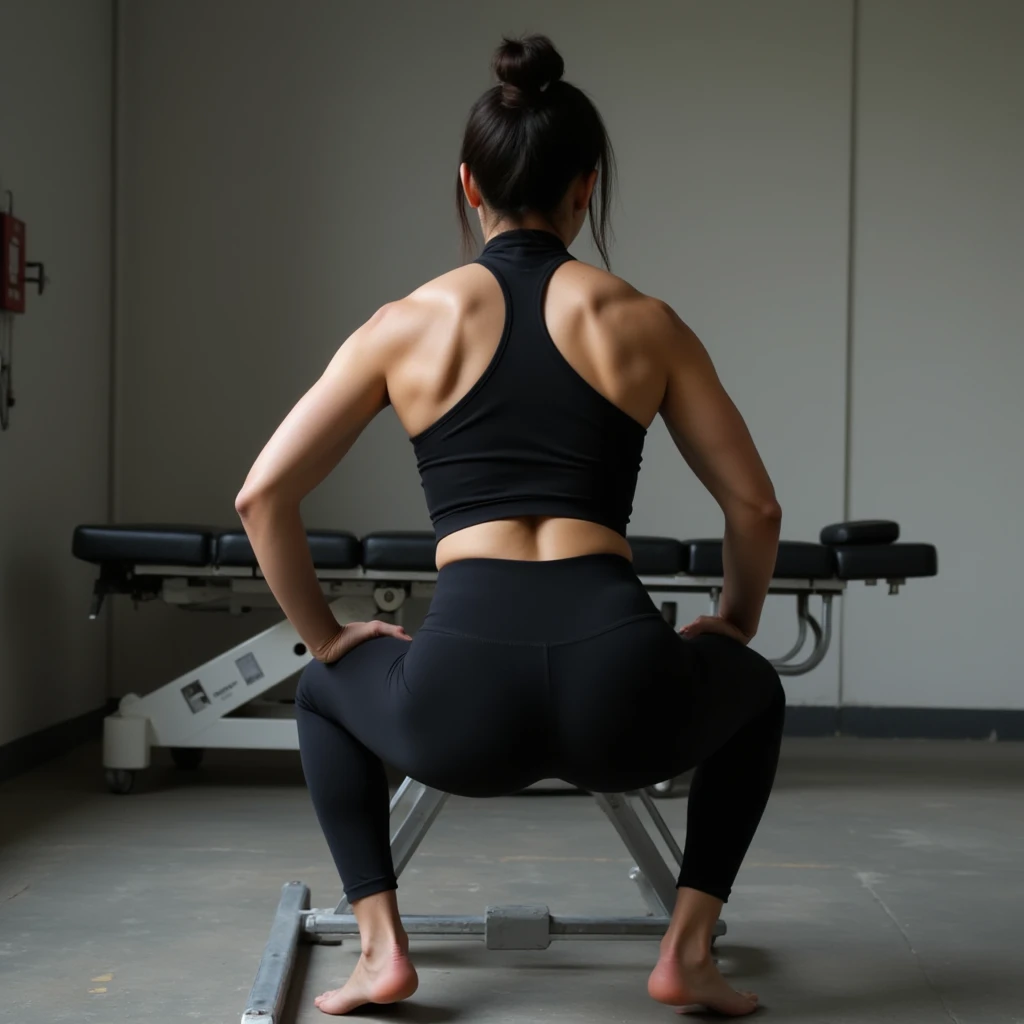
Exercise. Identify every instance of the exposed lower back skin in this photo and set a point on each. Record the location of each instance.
(531, 539)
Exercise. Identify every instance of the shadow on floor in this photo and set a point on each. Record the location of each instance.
(859, 989)
(412, 1012)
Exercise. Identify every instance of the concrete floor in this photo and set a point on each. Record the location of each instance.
(886, 884)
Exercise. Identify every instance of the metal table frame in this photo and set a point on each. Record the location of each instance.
(414, 808)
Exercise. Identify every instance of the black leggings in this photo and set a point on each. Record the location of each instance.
(530, 670)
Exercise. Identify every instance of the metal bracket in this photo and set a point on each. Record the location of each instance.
(785, 665)
(40, 280)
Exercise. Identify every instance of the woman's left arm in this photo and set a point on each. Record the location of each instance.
(310, 442)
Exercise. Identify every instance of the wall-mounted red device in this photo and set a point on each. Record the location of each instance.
(12, 263)
(14, 279)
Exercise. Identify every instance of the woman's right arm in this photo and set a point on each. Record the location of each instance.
(709, 432)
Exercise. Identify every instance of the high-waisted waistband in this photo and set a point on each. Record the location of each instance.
(537, 602)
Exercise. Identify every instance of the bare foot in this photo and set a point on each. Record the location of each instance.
(679, 981)
(385, 978)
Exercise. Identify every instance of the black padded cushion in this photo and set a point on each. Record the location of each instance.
(400, 551)
(143, 545)
(886, 561)
(704, 557)
(657, 556)
(800, 560)
(796, 560)
(330, 549)
(861, 531)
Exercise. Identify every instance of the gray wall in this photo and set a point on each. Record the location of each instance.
(287, 171)
(55, 134)
(938, 346)
(288, 168)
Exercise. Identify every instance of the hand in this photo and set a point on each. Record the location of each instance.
(714, 624)
(352, 635)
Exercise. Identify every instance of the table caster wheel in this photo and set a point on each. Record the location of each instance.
(663, 789)
(120, 780)
(188, 759)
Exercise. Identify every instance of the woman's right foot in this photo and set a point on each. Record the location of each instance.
(695, 981)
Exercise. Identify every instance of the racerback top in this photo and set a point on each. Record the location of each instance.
(531, 437)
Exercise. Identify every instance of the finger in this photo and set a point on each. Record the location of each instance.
(391, 629)
(709, 624)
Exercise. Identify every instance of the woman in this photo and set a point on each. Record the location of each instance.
(527, 381)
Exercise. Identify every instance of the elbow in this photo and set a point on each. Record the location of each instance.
(757, 512)
(771, 511)
(245, 500)
(262, 500)
(249, 501)
(769, 516)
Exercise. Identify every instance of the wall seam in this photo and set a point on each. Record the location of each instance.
(850, 286)
(113, 376)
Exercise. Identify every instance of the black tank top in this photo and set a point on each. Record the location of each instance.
(531, 437)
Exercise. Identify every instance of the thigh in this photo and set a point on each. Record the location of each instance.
(733, 686)
(359, 691)
(456, 713)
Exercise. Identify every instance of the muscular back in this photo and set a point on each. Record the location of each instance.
(605, 330)
(447, 333)
(422, 353)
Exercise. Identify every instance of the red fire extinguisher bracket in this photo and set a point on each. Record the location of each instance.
(12, 263)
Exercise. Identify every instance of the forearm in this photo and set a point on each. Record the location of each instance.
(748, 557)
(278, 538)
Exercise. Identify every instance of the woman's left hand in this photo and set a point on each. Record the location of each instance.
(352, 635)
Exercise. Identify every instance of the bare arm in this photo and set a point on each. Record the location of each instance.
(713, 439)
(304, 449)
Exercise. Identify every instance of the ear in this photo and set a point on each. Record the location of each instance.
(584, 190)
(469, 186)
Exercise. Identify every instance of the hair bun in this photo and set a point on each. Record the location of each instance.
(526, 67)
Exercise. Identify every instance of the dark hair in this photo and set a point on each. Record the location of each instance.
(530, 135)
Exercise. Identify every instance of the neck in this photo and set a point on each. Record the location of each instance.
(531, 221)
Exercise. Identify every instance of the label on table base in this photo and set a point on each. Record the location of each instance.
(224, 693)
(249, 669)
(195, 697)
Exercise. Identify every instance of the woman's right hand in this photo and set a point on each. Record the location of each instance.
(352, 635)
(714, 624)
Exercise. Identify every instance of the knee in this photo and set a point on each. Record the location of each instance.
(771, 689)
(776, 696)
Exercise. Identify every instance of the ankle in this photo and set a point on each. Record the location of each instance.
(387, 946)
(691, 950)
(689, 935)
(380, 927)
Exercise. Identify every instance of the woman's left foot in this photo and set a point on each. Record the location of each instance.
(387, 977)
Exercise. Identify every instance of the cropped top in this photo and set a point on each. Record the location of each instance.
(531, 437)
